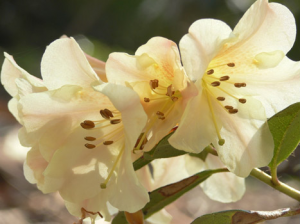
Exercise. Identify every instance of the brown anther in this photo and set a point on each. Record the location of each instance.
(153, 83)
(143, 143)
(220, 98)
(216, 83)
(169, 91)
(161, 118)
(174, 99)
(239, 85)
(224, 78)
(87, 124)
(210, 72)
(89, 146)
(108, 142)
(160, 113)
(106, 114)
(233, 111)
(147, 100)
(115, 121)
(242, 100)
(89, 138)
(229, 107)
(230, 64)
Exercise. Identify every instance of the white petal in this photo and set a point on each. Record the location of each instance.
(64, 63)
(201, 44)
(11, 71)
(98, 66)
(223, 187)
(266, 27)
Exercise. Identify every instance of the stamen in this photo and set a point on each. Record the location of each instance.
(108, 142)
(174, 99)
(230, 64)
(145, 140)
(89, 146)
(224, 78)
(233, 111)
(239, 85)
(115, 121)
(169, 91)
(153, 83)
(160, 113)
(220, 98)
(87, 124)
(106, 114)
(221, 140)
(210, 72)
(214, 84)
(242, 100)
(228, 107)
(103, 185)
(89, 138)
(147, 100)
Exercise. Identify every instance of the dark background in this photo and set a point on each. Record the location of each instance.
(101, 27)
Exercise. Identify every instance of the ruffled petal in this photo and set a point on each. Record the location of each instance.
(265, 27)
(223, 187)
(64, 63)
(201, 44)
(11, 71)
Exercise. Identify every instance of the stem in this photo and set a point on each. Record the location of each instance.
(293, 193)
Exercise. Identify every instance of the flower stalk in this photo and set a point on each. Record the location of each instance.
(282, 187)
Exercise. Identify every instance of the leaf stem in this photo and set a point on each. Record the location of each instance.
(262, 176)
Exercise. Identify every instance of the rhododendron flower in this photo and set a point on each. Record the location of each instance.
(156, 74)
(81, 132)
(243, 77)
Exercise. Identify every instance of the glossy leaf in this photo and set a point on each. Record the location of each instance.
(163, 196)
(285, 128)
(244, 217)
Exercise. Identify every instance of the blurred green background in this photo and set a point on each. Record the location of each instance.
(101, 27)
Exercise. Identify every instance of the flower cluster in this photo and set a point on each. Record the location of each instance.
(87, 121)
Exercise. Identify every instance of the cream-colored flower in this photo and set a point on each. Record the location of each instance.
(156, 74)
(243, 77)
(82, 132)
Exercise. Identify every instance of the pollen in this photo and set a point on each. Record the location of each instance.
(233, 111)
(89, 146)
(210, 72)
(216, 83)
(242, 100)
(239, 85)
(106, 114)
(147, 100)
(89, 138)
(230, 64)
(220, 98)
(228, 107)
(153, 83)
(115, 121)
(108, 142)
(87, 124)
(224, 78)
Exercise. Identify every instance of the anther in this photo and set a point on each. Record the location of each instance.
(233, 111)
(174, 99)
(220, 98)
(230, 64)
(103, 186)
(106, 114)
(115, 121)
(147, 100)
(239, 85)
(108, 142)
(224, 78)
(229, 107)
(216, 83)
(89, 138)
(210, 72)
(160, 113)
(87, 124)
(89, 146)
(153, 83)
(242, 100)
(169, 91)
(162, 118)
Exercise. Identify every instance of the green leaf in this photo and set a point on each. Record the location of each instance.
(162, 150)
(163, 196)
(285, 128)
(244, 217)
